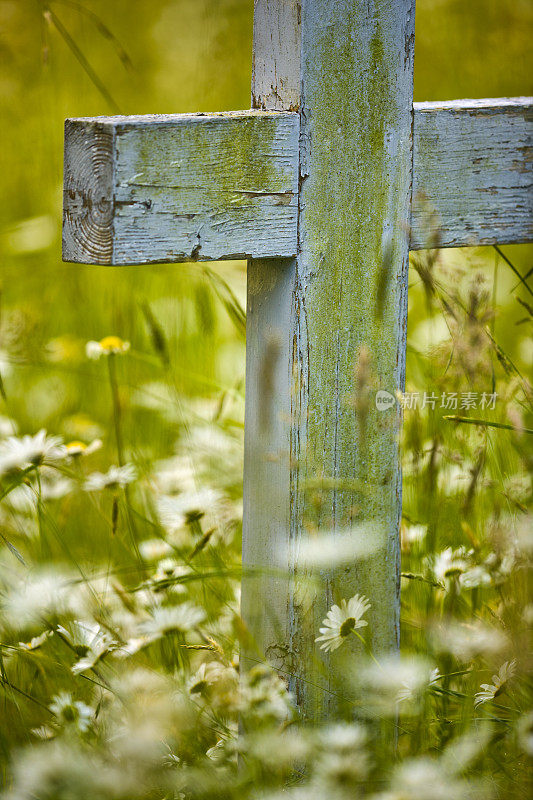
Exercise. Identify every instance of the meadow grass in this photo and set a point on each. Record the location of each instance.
(120, 528)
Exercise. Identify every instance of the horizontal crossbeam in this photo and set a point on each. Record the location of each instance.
(148, 189)
(473, 173)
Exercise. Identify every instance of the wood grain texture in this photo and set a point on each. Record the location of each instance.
(472, 172)
(147, 189)
(314, 458)
(88, 192)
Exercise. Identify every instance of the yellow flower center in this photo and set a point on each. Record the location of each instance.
(76, 447)
(112, 344)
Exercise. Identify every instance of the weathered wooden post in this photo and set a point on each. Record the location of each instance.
(314, 187)
(347, 69)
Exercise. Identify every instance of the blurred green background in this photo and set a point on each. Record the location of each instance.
(67, 58)
(172, 56)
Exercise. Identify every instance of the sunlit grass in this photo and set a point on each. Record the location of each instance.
(120, 542)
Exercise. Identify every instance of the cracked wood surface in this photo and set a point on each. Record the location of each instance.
(315, 459)
(473, 172)
(172, 188)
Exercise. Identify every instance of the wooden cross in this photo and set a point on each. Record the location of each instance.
(324, 188)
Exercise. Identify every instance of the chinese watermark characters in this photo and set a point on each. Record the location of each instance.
(449, 401)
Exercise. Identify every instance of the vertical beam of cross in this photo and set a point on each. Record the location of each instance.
(318, 454)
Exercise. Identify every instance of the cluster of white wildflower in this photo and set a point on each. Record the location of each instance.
(172, 619)
(428, 779)
(277, 751)
(125, 670)
(155, 549)
(188, 506)
(413, 685)
(216, 686)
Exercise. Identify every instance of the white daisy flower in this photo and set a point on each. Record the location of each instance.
(172, 619)
(36, 642)
(206, 675)
(39, 597)
(174, 512)
(263, 695)
(44, 733)
(341, 621)
(54, 486)
(217, 752)
(164, 620)
(109, 345)
(450, 564)
(112, 479)
(176, 474)
(467, 640)
(411, 686)
(411, 534)
(475, 577)
(492, 690)
(71, 713)
(24, 499)
(134, 645)
(342, 759)
(395, 679)
(342, 736)
(89, 641)
(76, 449)
(427, 779)
(18, 453)
(155, 549)
(167, 576)
(332, 548)
(525, 732)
